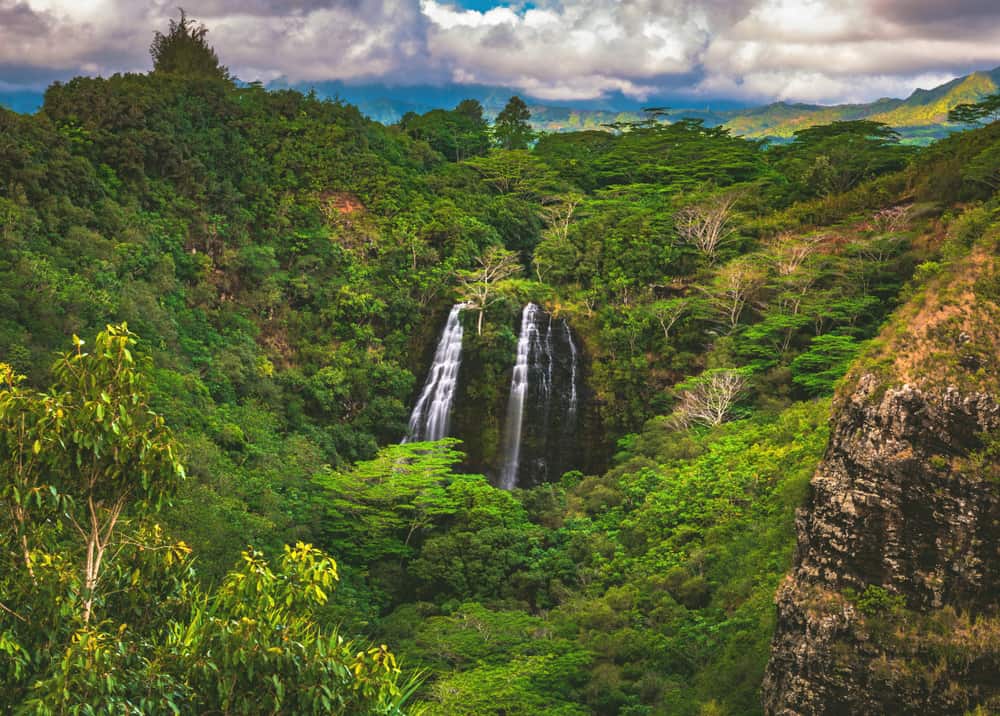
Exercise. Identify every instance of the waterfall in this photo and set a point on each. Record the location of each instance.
(432, 414)
(574, 359)
(549, 359)
(518, 392)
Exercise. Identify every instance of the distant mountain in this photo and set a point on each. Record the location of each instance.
(388, 103)
(929, 107)
(920, 118)
(782, 119)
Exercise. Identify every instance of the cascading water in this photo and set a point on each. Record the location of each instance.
(574, 358)
(548, 360)
(431, 416)
(541, 432)
(518, 393)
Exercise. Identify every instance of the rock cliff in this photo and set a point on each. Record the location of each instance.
(892, 603)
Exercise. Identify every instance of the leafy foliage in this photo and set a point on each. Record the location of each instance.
(984, 111)
(183, 50)
(511, 128)
(286, 260)
(101, 613)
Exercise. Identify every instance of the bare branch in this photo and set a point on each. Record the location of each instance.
(791, 252)
(707, 226)
(477, 286)
(711, 399)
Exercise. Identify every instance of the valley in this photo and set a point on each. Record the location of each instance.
(305, 413)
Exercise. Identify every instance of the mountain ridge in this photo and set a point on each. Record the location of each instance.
(921, 117)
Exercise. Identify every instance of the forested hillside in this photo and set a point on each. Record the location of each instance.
(219, 304)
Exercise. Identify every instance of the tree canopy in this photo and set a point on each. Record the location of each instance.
(183, 50)
(511, 128)
(984, 111)
(283, 264)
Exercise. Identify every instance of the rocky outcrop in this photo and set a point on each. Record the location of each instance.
(892, 603)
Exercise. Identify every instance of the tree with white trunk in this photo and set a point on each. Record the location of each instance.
(709, 399)
(707, 226)
(478, 286)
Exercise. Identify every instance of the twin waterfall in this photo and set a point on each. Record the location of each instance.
(431, 416)
(541, 422)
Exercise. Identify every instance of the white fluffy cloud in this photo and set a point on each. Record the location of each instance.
(561, 50)
(799, 50)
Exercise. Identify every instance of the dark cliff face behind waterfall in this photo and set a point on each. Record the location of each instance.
(550, 441)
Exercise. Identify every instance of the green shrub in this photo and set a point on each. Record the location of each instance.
(878, 601)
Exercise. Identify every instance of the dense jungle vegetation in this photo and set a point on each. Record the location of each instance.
(216, 306)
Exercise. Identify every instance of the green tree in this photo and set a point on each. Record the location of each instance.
(379, 508)
(458, 134)
(516, 173)
(827, 359)
(184, 51)
(834, 158)
(978, 113)
(94, 445)
(101, 614)
(485, 542)
(257, 644)
(511, 129)
(984, 169)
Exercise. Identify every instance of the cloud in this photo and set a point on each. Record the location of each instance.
(335, 40)
(815, 87)
(933, 15)
(848, 50)
(559, 50)
(578, 49)
(257, 39)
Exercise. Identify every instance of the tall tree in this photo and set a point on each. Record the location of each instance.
(511, 129)
(707, 226)
(184, 51)
(834, 158)
(458, 134)
(709, 399)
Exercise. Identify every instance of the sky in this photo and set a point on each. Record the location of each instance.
(824, 51)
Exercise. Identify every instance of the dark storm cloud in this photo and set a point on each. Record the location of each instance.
(18, 18)
(272, 8)
(927, 12)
